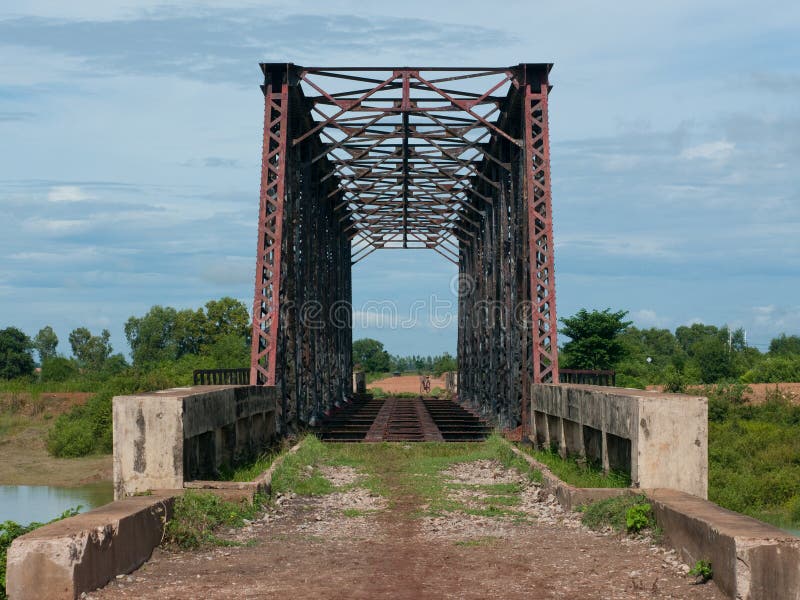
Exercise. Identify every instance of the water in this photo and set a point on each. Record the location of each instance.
(27, 503)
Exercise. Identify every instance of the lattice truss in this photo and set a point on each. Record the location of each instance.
(406, 146)
(450, 159)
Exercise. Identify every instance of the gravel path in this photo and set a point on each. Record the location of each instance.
(355, 544)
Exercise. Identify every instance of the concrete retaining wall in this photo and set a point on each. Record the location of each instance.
(162, 439)
(751, 560)
(62, 560)
(661, 440)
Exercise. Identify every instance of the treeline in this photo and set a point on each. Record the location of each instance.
(369, 355)
(691, 355)
(166, 346)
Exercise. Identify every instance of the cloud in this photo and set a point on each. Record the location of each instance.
(776, 319)
(67, 193)
(646, 317)
(718, 151)
(212, 162)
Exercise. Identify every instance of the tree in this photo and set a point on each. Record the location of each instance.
(444, 363)
(713, 357)
(371, 356)
(785, 345)
(58, 368)
(594, 338)
(91, 351)
(45, 343)
(15, 354)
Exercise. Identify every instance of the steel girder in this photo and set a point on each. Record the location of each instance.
(455, 160)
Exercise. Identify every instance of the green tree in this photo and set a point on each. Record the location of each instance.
(91, 351)
(714, 359)
(58, 368)
(15, 354)
(785, 345)
(371, 356)
(594, 338)
(45, 343)
(152, 337)
(226, 317)
(444, 363)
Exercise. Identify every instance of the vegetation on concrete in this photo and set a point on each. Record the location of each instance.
(702, 571)
(577, 471)
(9, 531)
(197, 516)
(628, 513)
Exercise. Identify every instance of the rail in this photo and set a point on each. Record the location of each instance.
(221, 377)
(587, 377)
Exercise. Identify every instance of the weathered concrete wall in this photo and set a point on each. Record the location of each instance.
(162, 439)
(751, 560)
(64, 559)
(660, 439)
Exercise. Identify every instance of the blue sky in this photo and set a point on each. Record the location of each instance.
(130, 147)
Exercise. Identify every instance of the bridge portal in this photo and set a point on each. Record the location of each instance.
(359, 159)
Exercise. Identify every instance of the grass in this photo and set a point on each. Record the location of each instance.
(575, 473)
(477, 542)
(396, 470)
(198, 515)
(248, 471)
(615, 513)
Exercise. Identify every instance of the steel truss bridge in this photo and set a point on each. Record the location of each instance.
(359, 159)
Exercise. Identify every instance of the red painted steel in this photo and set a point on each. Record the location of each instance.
(540, 229)
(266, 303)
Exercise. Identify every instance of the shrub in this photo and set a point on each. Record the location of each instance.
(638, 517)
(58, 369)
(612, 512)
(628, 381)
(702, 570)
(774, 369)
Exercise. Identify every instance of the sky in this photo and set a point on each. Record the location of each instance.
(130, 137)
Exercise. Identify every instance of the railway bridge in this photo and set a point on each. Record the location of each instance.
(359, 159)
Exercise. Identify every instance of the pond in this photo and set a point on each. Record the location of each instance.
(27, 503)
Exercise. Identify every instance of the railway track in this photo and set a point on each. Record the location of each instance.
(368, 419)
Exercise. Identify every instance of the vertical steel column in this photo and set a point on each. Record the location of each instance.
(540, 225)
(266, 302)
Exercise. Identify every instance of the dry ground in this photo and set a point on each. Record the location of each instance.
(404, 383)
(23, 457)
(488, 533)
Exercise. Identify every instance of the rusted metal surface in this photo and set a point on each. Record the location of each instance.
(588, 377)
(221, 376)
(357, 159)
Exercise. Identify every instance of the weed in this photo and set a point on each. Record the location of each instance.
(196, 516)
(702, 571)
(611, 512)
(579, 474)
(638, 517)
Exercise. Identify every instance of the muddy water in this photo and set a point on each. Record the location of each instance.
(27, 503)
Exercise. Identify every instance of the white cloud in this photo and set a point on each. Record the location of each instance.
(718, 151)
(646, 317)
(67, 193)
(56, 226)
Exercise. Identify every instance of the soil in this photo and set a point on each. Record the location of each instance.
(308, 547)
(757, 393)
(404, 383)
(25, 460)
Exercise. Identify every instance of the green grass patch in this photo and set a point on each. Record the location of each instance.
(576, 473)
(197, 515)
(355, 512)
(613, 512)
(248, 471)
(299, 472)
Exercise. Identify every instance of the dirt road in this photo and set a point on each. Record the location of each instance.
(488, 532)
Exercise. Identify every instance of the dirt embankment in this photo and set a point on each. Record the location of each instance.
(757, 393)
(404, 384)
(24, 423)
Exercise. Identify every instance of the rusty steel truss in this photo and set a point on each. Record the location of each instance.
(354, 160)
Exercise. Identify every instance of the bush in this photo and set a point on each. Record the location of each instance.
(638, 517)
(775, 369)
(58, 369)
(628, 381)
